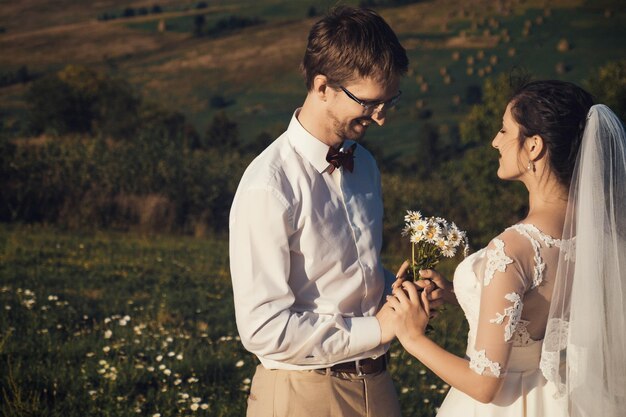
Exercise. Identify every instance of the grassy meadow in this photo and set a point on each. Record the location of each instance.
(111, 324)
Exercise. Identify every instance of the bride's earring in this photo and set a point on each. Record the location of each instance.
(531, 165)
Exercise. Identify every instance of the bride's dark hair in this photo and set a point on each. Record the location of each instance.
(556, 111)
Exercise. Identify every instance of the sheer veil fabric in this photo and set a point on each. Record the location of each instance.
(584, 350)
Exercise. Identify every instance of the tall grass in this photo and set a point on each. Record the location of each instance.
(107, 324)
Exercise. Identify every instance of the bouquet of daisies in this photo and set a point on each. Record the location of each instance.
(432, 238)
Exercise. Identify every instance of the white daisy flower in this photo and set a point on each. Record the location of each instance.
(448, 251)
(432, 232)
(454, 237)
(412, 216)
(419, 228)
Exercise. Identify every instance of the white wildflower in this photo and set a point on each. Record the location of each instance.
(412, 216)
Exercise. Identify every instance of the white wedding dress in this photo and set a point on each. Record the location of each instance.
(505, 291)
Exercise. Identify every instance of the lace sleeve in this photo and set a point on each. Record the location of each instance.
(501, 303)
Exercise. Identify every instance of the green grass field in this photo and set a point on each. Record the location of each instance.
(108, 324)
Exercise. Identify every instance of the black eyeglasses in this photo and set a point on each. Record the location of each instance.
(372, 107)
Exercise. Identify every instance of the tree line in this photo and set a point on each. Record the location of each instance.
(97, 155)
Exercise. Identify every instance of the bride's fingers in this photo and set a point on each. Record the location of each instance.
(436, 303)
(401, 296)
(397, 283)
(403, 269)
(393, 302)
(425, 284)
(433, 275)
(425, 302)
(411, 290)
(435, 294)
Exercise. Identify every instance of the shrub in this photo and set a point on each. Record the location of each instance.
(80, 100)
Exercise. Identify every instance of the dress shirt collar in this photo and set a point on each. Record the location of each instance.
(307, 145)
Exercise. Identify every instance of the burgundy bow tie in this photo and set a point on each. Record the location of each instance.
(341, 157)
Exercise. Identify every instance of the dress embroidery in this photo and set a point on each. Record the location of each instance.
(514, 314)
(496, 261)
(549, 241)
(481, 362)
(521, 337)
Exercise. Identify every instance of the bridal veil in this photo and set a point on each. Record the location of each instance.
(584, 350)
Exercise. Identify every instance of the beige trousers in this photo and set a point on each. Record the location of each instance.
(279, 393)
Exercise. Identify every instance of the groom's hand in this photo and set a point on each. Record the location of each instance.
(386, 321)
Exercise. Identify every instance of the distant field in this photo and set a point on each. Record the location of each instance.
(120, 324)
(453, 47)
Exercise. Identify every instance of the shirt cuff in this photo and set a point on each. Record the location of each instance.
(364, 334)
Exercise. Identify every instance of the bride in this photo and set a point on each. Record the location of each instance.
(545, 300)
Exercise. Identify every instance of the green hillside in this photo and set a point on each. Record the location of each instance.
(453, 46)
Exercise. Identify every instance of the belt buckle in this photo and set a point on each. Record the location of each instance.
(359, 371)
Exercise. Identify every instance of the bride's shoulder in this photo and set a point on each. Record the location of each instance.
(514, 241)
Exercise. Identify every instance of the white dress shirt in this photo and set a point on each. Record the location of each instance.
(305, 255)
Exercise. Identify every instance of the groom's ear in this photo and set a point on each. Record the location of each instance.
(320, 87)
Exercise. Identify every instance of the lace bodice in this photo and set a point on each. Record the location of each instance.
(504, 290)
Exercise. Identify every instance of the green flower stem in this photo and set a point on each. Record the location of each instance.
(413, 261)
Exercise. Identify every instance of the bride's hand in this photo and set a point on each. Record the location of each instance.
(446, 288)
(411, 309)
(443, 292)
(401, 275)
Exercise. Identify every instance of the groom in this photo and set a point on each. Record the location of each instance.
(305, 234)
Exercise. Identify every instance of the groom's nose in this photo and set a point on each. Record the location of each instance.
(379, 117)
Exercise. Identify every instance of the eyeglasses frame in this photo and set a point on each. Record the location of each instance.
(376, 106)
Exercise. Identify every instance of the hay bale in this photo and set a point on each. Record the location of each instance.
(162, 26)
(563, 45)
(562, 68)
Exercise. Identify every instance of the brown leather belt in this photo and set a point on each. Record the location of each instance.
(362, 367)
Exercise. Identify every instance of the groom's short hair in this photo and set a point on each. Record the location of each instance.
(352, 42)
